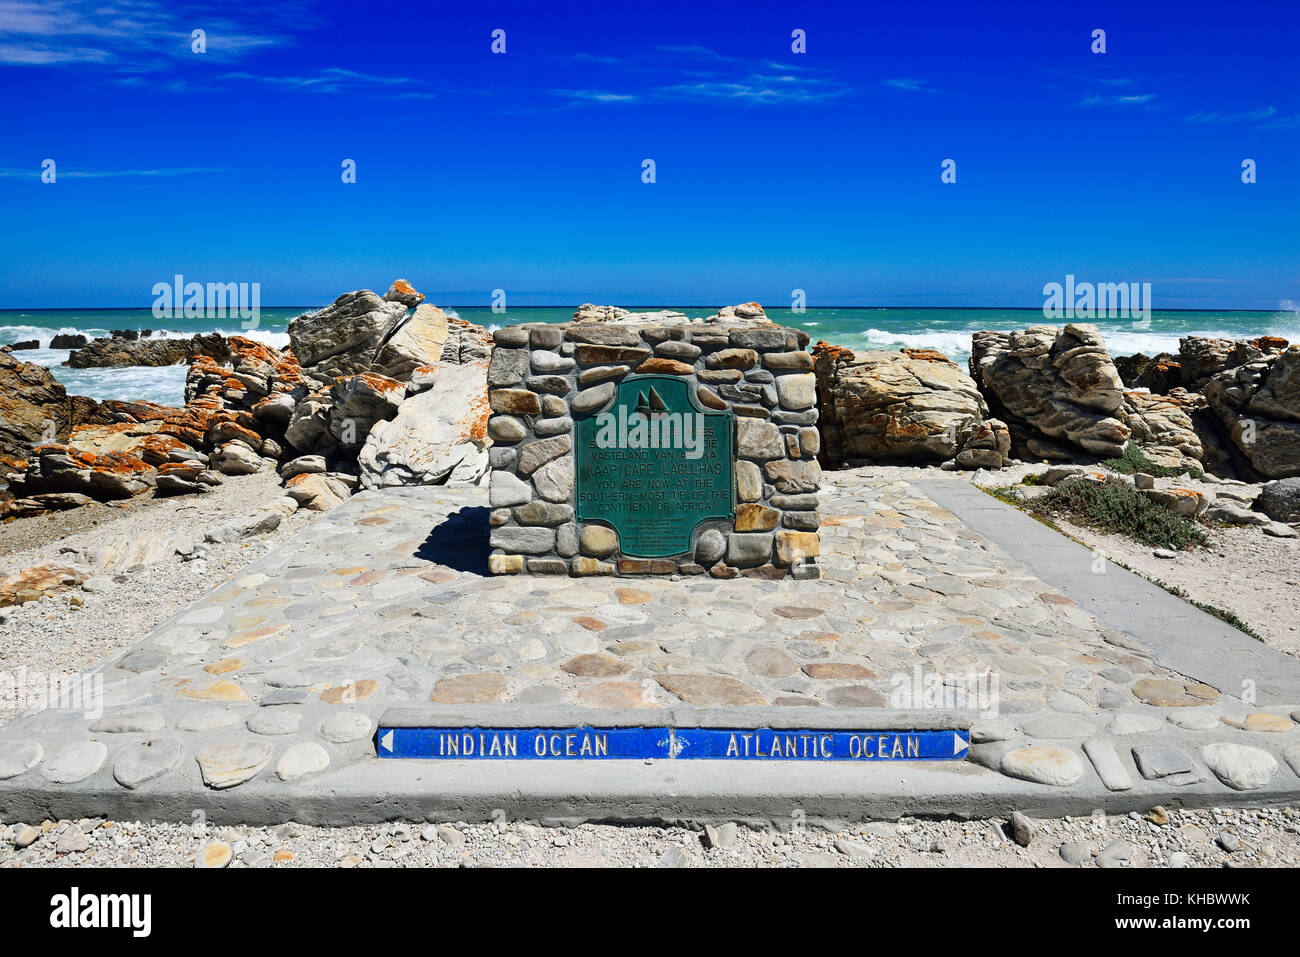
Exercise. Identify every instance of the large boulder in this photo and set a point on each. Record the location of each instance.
(1162, 425)
(1280, 500)
(362, 333)
(403, 292)
(588, 312)
(466, 342)
(910, 406)
(61, 468)
(1201, 358)
(1057, 389)
(439, 436)
(114, 351)
(34, 407)
(308, 428)
(750, 312)
(1159, 374)
(417, 342)
(1258, 404)
(357, 403)
(345, 336)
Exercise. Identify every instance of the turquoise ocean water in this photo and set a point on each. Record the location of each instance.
(948, 330)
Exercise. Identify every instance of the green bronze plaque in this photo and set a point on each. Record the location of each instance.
(653, 465)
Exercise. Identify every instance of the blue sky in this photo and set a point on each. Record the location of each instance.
(775, 170)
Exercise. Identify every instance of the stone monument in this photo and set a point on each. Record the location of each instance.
(653, 448)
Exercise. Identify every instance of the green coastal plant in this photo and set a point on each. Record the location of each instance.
(1134, 460)
(1113, 507)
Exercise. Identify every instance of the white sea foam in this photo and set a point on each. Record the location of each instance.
(276, 340)
(956, 344)
(162, 384)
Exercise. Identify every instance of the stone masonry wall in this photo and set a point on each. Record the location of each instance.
(544, 376)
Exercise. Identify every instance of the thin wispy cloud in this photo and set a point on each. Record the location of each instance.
(759, 88)
(695, 72)
(596, 96)
(909, 84)
(1266, 117)
(334, 80)
(1121, 100)
(128, 35)
(108, 173)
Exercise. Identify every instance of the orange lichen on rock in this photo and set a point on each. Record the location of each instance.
(928, 355)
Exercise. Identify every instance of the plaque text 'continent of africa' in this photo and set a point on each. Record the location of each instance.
(653, 466)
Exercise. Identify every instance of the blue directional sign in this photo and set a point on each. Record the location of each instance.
(721, 744)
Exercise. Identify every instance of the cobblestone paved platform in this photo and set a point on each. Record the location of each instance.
(259, 703)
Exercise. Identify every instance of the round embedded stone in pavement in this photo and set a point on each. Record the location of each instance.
(1263, 721)
(1132, 723)
(17, 757)
(596, 666)
(351, 692)
(232, 763)
(75, 762)
(995, 729)
(344, 727)
(213, 854)
(530, 649)
(1292, 755)
(771, 662)
(856, 696)
(146, 722)
(1240, 766)
(1163, 693)
(271, 721)
(144, 761)
(1043, 764)
(709, 691)
(1194, 720)
(829, 670)
(306, 757)
(618, 694)
(469, 689)
(797, 612)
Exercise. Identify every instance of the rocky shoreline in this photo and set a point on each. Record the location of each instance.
(377, 391)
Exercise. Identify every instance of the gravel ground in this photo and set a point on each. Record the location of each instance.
(1243, 571)
(54, 636)
(1257, 838)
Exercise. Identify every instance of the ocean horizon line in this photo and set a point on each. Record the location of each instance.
(652, 306)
